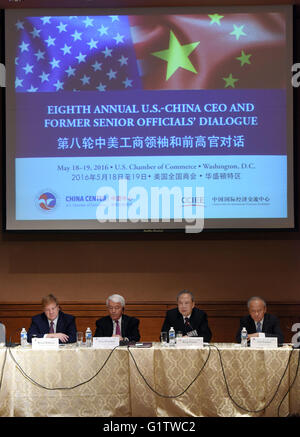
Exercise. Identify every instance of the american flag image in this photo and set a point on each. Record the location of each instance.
(75, 53)
(175, 52)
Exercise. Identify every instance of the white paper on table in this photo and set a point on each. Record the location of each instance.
(105, 342)
(45, 343)
(196, 342)
(264, 342)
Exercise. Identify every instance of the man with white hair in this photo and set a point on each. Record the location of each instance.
(117, 324)
(258, 322)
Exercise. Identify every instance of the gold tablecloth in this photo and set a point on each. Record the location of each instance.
(149, 382)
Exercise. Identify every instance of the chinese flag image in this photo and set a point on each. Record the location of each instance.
(210, 51)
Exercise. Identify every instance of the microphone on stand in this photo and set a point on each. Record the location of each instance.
(190, 332)
(10, 342)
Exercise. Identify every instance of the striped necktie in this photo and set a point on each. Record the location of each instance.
(258, 327)
(187, 324)
(51, 330)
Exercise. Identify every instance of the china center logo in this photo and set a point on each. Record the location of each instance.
(47, 201)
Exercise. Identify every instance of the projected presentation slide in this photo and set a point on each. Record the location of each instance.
(147, 119)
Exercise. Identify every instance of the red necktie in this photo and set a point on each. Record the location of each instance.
(118, 331)
(51, 330)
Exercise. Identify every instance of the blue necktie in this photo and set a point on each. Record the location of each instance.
(258, 328)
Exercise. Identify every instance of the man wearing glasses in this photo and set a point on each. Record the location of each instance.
(53, 323)
(117, 324)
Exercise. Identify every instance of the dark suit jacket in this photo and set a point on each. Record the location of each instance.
(129, 327)
(40, 326)
(198, 321)
(270, 327)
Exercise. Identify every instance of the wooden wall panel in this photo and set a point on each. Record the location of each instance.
(223, 317)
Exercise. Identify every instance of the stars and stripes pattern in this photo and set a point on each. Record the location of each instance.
(75, 53)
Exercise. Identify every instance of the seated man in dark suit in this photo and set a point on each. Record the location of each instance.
(187, 319)
(117, 324)
(53, 323)
(258, 322)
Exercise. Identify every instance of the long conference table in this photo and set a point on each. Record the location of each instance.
(222, 380)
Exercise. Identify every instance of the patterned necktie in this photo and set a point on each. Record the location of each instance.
(258, 327)
(187, 324)
(118, 331)
(51, 330)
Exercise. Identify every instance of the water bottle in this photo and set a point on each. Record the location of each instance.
(23, 337)
(88, 337)
(244, 335)
(172, 338)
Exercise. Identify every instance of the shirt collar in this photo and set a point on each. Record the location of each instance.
(261, 322)
(119, 320)
(54, 321)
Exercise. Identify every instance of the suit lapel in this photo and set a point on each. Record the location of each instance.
(124, 325)
(192, 318)
(45, 321)
(110, 326)
(252, 327)
(265, 324)
(180, 322)
(59, 327)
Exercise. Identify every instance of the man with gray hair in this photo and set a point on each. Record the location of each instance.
(258, 322)
(117, 324)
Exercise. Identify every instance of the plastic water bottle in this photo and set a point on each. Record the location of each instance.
(172, 338)
(23, 337)
(88, 337)
(244, 335)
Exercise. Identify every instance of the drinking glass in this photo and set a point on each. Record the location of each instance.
(79, 337)
(164, 338)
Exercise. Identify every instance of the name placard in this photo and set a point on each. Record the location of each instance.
(45, 343)
(196, 342)
(264, 342)
(105, 342)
